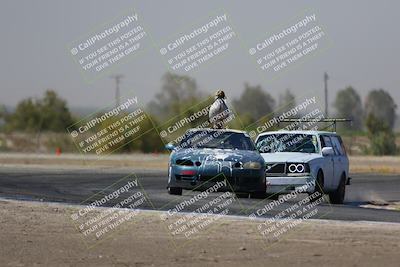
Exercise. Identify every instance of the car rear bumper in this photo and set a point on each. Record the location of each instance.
(238, 180)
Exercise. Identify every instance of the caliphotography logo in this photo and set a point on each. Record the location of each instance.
(194, 47)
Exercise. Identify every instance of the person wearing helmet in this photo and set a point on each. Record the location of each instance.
(219, 111)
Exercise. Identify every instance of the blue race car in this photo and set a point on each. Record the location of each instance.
(205, 157)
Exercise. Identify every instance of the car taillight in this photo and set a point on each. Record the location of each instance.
(188, 172)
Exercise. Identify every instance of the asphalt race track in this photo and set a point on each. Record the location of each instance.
(77, 185)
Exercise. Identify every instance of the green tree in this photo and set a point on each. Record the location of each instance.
(26, 117)
(287, 100)
(148, 142)
(47, 114)
(55, 113)
(254, 102)
(178, 93)
(348, 105)
(381, 104)
(382, 138)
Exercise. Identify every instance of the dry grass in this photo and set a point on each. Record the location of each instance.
(373, 164)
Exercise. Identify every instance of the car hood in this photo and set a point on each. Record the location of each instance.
(289, 157)
(217, 155)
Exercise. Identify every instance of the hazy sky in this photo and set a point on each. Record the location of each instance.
(35, 35)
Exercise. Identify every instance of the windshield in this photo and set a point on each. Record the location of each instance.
(273, 143)
(216, 139)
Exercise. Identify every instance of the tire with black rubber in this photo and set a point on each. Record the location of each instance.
(258, 195)
(175, 191)
(242, 195)
(337, 197)
(319, 187)
(273, 196)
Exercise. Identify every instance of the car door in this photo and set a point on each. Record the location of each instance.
(345, 158)
(328, 165)
(340, 160)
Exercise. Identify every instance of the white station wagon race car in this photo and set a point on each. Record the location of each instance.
(312, 160)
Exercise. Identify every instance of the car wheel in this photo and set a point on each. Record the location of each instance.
(319, 187)
(273, 196)
(258, 195)
(242, 195)
(175, 191)
(337, 197)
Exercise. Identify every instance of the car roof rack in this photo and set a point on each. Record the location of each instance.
(333, 121)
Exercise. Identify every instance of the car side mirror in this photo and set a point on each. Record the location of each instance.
(170, 146)
(327, 151)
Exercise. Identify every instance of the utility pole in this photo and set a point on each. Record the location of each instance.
(117, 78)
(326, 77)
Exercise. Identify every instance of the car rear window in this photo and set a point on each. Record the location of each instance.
(217, 140)
(288, 142)
(337, 145)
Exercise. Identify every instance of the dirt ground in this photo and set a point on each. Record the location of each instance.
(41, 234)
